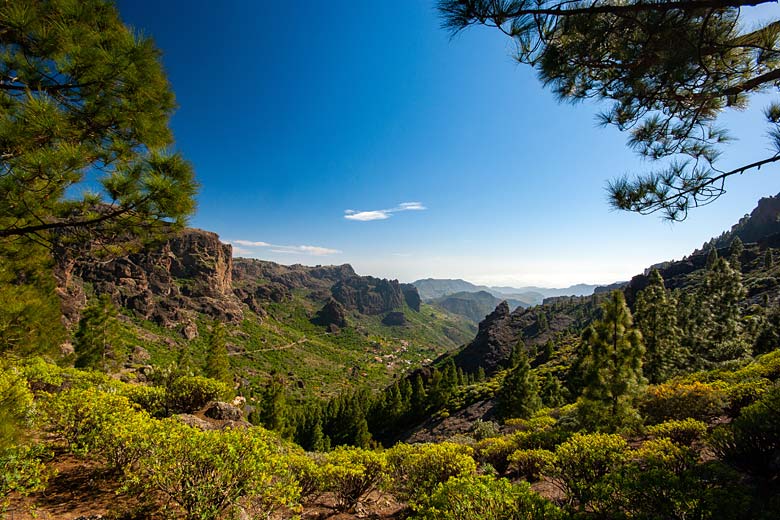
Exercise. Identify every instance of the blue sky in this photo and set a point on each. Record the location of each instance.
(360, 132)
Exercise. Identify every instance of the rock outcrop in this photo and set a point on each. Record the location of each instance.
(411, 296)
(189, 273)
(493, 344)
(762, 222)
(502, 330)
(332, 313)
(194, 273)
(269, 281)
(368, 295)
(394, 319)
(223, 411)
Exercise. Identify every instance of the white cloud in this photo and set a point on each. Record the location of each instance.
(318, 251)
(382, 214)
(249, 243)
(411, 206)
(276, 248)
(365, 216)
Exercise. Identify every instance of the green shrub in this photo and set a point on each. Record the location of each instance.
(543, 439)
(486, 498)
(530, 464)
(684, 432)
(208, 473)
(307, 469)
(768, 365)
(539, 422)
(415, 471)
(352, 473)
(125, 442)
(47, 378)
(22, 472)
(702, 401)
(587, 467)
(484, 429)
(657, 483)
(188, 394)
(752, 441)
(153, 399)
(744, 393)
(82, 417)
(495, 450)
(664, 454)
(16, 405)
(43, 377)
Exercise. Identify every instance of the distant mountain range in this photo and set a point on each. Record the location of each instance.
(473, 305)
(433, 288)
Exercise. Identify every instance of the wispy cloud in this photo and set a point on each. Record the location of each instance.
(246, 246)
(249, 243)
(382, 214)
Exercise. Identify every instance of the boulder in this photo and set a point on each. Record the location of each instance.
(223, 411)
(196, 422)
(190, 330)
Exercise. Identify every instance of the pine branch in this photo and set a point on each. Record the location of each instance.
(474, 13)
(5, 233)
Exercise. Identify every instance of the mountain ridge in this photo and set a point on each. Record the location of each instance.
(432, 288)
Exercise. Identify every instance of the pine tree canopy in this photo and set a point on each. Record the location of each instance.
(84, 136)
(666, 68)
(612, 366)
(656, 318)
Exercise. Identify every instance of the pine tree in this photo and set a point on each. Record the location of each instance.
(450, 376)
(551, 391)
(722, 335)
(317, 436)
(30, 314)
(712, 257)
(666, 70)
(547, 351)
(362, 437)
(273, 412)
(519, 392)
(437, 393)
(612, 367)
(518, 352)
(217, 362)
(656, 317)
(84, 96)
(97, 338)
(419, 400)
(768, 337)
(735, 253)
(690, 320)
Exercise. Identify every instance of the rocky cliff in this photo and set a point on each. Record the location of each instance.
(368, 295)
(502, 330)
(762, 222)
(194, 273)
(189, 273)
